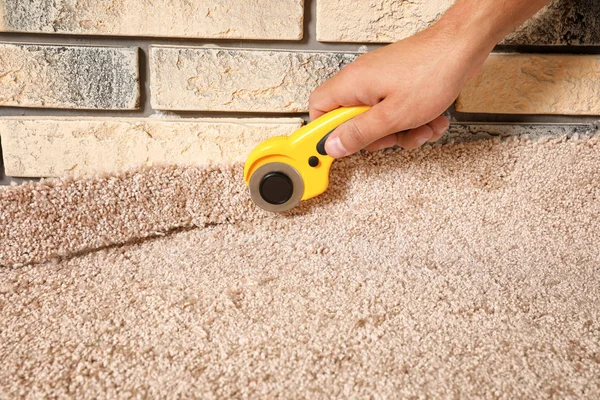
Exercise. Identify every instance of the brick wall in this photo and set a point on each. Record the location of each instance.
(90, 85)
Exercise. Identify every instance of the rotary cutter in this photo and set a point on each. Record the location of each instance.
(282, 171)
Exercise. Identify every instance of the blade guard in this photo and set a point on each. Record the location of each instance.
(297, 149)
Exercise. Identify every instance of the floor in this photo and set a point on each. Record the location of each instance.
(469, 269)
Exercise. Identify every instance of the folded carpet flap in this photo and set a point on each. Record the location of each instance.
(69, 216)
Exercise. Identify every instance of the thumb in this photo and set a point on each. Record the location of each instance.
(361, 131)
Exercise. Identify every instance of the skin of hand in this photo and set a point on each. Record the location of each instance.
(409, 84)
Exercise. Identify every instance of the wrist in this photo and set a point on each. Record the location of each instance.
(469, 29)
(481, 24)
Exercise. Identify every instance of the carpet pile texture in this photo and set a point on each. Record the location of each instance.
(468, 269)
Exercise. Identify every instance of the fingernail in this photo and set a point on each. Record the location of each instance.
(335, 148)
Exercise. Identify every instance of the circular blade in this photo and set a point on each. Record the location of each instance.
(276, 187)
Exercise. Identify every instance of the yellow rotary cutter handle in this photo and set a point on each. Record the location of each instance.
(282, 171)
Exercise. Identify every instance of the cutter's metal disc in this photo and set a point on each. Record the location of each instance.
(276, 187)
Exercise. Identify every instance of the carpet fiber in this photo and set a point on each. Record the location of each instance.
(460, 270)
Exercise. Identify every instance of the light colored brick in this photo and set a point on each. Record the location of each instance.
(69, 77)
(562, 22)
(535, 84)
(226, 19)
(38, 147)
(378, 21)
(216, 79)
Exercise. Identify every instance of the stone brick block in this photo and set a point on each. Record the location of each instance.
(43, 147)
(69, 77)
(375, 21)
(535, 84)
(562, 22)
(226, 19)
(216, 79)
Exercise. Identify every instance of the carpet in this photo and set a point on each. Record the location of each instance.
(464, 269)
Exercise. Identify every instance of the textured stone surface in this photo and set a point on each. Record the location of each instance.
(535, 84)
(375, 20)
(231, 19)
(561, 22)
(69, 77)
(40, 147)
(238, 80)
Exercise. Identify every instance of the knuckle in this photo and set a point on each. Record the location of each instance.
(356, 134)
(314, 97)
(352, 70)
(394, 116)
(389, 116)
(411, 120)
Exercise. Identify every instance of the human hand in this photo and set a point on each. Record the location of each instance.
(410, 84)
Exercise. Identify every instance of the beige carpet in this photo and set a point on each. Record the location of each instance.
(462, 270)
